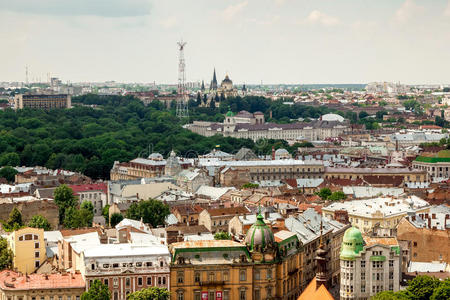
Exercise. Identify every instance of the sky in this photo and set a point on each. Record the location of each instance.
(254, 41)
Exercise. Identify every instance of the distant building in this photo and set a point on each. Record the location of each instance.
(42, 101)
(253, 126)
(428, 233)
(437, 166)
(383, 212)
(94, 193)
(28, 247)
(378, 176)
(368, 265)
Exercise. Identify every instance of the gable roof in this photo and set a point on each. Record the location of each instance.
(313, 293)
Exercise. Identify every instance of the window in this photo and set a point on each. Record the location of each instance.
(149, 281)
(161, 264)
(139, 264)
(127, 282)
(148, 264)
(391, 263)
(37, 264)
(225, 276)
(226, 295)
(242, 275)
(68, 298)
(257, 275)
(269, 273)
(363, 289)
(116, 296)
(257, 294)
(180, 296)
(363, 276)
(159, 280)
(116, 282)
(180, 277)
(391, 275)
(36, 254)
(197, 295)
(106, 282)
(164, 280)
(140, 281)
(115, 265)
(242, 295)
(211, 276)
(36, 245)
(363, 264)
(391, 287)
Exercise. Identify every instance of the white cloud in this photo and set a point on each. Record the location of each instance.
(447, 10)
(407, 11)
(318, 17)
(169, 22)
(231, 11)
(268, 21)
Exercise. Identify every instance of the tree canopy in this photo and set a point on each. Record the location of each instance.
(152, 293)
(150, 211)
(38, 221)
(221, 235)
(5, 255)
(97, 291)
(8, 173)
(65, 199)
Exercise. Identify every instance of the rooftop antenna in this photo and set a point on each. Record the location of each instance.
(26, 75)
(182, 110)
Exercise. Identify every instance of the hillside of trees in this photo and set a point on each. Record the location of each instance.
(102, 129)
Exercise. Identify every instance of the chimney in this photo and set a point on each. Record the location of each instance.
(273, 153)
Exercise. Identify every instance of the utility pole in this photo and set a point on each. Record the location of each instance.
(182, 109)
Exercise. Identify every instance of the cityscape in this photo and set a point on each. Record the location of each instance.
(234, 150)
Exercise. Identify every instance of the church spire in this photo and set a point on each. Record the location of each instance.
(203, 86)
(214, 81)
(322, 259)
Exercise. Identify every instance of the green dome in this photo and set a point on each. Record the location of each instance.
(259, 236)
(352, 243)
(230, 114)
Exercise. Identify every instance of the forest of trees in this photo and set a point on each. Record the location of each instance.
(102, 129)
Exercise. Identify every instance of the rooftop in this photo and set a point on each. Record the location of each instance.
(125, 250)
(10, 280)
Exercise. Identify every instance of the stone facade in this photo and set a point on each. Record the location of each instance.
(28, 209)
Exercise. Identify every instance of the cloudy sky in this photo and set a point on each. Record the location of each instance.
(273, 41)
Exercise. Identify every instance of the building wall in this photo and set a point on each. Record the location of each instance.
(438, 169)
(42, 101)
(377, 269)
(28, 246)
(409, 176)
(30, 294)
(427, 245)
(28, 209)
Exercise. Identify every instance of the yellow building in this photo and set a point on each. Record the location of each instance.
(265, 267)
(28, 247)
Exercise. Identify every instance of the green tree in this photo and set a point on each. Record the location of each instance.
(38, 221)
(151, 211)
(77, 218)
(87, 205)
(65, 199)
(442, 292)
(221, 235)
(105, 213)
(390, 295)
(152, 293)
(336, 196)
(422, 287)
(6, 255)
(250, 185)
(363, 114)
(10, 159)
(115, 219)
(97, 291)
(8, 173)
(15, 219)
(324, 193)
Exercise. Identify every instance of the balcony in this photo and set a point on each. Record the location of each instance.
(211, 282)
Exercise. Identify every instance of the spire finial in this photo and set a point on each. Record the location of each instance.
(321, 233)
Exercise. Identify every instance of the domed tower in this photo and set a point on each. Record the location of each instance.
(173, 166)
(260, 241)
(352, 245)
(227, 84)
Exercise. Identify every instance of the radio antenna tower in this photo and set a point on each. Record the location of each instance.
(26, 75)
(182, 101)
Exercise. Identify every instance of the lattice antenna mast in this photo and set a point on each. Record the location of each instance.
(182, 101)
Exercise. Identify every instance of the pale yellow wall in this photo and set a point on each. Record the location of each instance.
(24, 250)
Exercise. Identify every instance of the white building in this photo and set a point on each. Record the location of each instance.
(368, 265)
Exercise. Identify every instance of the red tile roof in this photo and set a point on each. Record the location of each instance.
(88, 187)
(10, 280)
(235, 211)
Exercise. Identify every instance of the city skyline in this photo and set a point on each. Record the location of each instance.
(269, 41)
